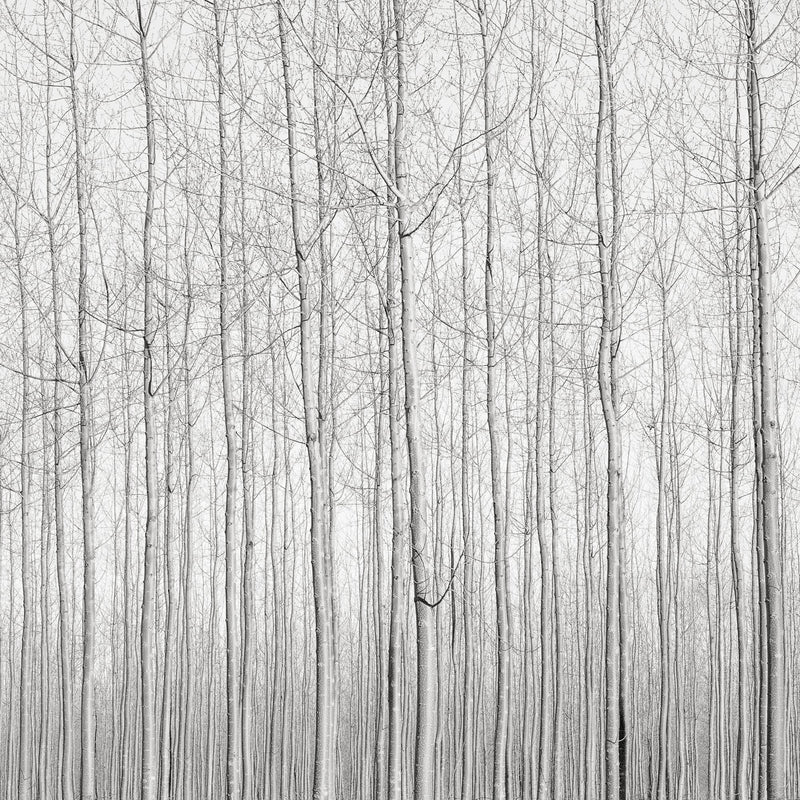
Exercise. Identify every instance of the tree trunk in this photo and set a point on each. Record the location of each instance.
(607, 245)
(85, 375)
(232, 590)
(149, 775)
(424, 608)
(500, 768)
(767, 467)
(324, 775)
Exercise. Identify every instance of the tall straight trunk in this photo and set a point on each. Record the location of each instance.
(131, 677)
(210, 666)
(276, 736)
(66, 785)
(767, 466)
(590, 754)
(735, 344)
(663, 773)
(188, 760)
(469, 738)
(546, 606)
(607, 246)
(398, 587)
(233, 748)
(149, 775)
(25, 763)
(398, 591)
(528, 778)
(424, 608)
(324, 785)
(324, 155)
(168, 714)
(548, 727)
(44, 765)
(11, 727)
(502, 693)
(379, 620)
(248, 601)
(558, 725)
(87, 747)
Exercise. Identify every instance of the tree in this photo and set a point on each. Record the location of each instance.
(767, 431)
(147, 644)
(606, 154)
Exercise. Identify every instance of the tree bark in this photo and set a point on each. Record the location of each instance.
(85, 425)
(149, 775)
(767, 466)
(232, 591)
(324, 776)
(607, 245)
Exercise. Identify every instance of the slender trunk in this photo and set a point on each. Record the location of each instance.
(424, 608)
(735, 302)
(500, 768)
(248, 638)
(189, 778)
(147, 632)
(232, 592)
(25, 764)
(87, 747)
(767, 467)
(324, 776)
(398, 588)
(607, 245)
(67, 785)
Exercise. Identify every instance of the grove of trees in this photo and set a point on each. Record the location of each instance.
(397, 400)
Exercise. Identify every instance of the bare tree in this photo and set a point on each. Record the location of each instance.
(147, 630)
(324, 786)
(608, 250)
(232, 595)
(767, 431)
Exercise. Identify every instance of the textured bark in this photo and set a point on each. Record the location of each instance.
(87, 467)
(663, 567)
(467, 530)
(188, 778)
(502, 692)
(324, 783)
(232, 591)
(767, 460)
(735, 346)
(67, 781)
(25, 767)
(607, 246)
(248, 600)
(398, 592)
(149, 774)
(421, 555)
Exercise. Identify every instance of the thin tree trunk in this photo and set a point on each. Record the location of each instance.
(232, 592)
(425, 609)
(87, 774)
(149, 774)
(608, 244)
(66, 784)
(500, 768)
(248, 666)
(25, 764)
(324, 776)
(767, 467)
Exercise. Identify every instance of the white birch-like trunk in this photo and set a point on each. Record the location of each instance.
(324, 776)
(767, 461)
(607, 245)
(149, 774)
(87, 466)
(233, 745)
